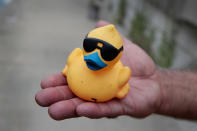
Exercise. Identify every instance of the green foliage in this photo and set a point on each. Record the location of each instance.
(138, 33)
(144, 37)
(110, 6)
(121, 12)
(166, 51)
(91, 1)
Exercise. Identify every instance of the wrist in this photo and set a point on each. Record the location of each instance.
(158, 102)
(177, 96)
(160, 78)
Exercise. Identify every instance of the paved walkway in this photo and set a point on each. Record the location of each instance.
(35, 38)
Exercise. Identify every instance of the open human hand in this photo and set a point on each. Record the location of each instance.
(142, 100)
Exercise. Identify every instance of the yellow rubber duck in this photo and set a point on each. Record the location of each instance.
(95, 73)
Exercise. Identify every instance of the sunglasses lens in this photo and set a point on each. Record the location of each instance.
(89, 45)
(109, 53)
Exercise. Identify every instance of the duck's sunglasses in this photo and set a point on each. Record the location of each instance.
(108, 52)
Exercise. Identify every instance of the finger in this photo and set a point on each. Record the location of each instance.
(64, 109)
(101, 23)
(98, 110)
(53, 80)
(48, 96)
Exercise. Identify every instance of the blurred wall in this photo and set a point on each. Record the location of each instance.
(167, 30)
(9, 13)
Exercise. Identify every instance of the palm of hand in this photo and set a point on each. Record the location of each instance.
(142, 99)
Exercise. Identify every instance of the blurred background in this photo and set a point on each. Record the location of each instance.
(36, 37)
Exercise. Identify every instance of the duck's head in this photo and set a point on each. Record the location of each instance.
(102, 47)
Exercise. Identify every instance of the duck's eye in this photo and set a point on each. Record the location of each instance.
(100, 45)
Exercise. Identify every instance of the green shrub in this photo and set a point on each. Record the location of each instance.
(144, 37)
(166, 51)
(137, 33)
(121, 12)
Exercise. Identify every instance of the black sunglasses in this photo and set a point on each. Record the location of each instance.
(108, 52)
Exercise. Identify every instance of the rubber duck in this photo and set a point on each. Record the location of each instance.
(95, 73)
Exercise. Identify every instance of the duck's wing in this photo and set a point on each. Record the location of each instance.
(73, 55)
(77, 52)
(124, 76)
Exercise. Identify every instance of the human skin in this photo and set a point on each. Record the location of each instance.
(178, 94)
(172, 93)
